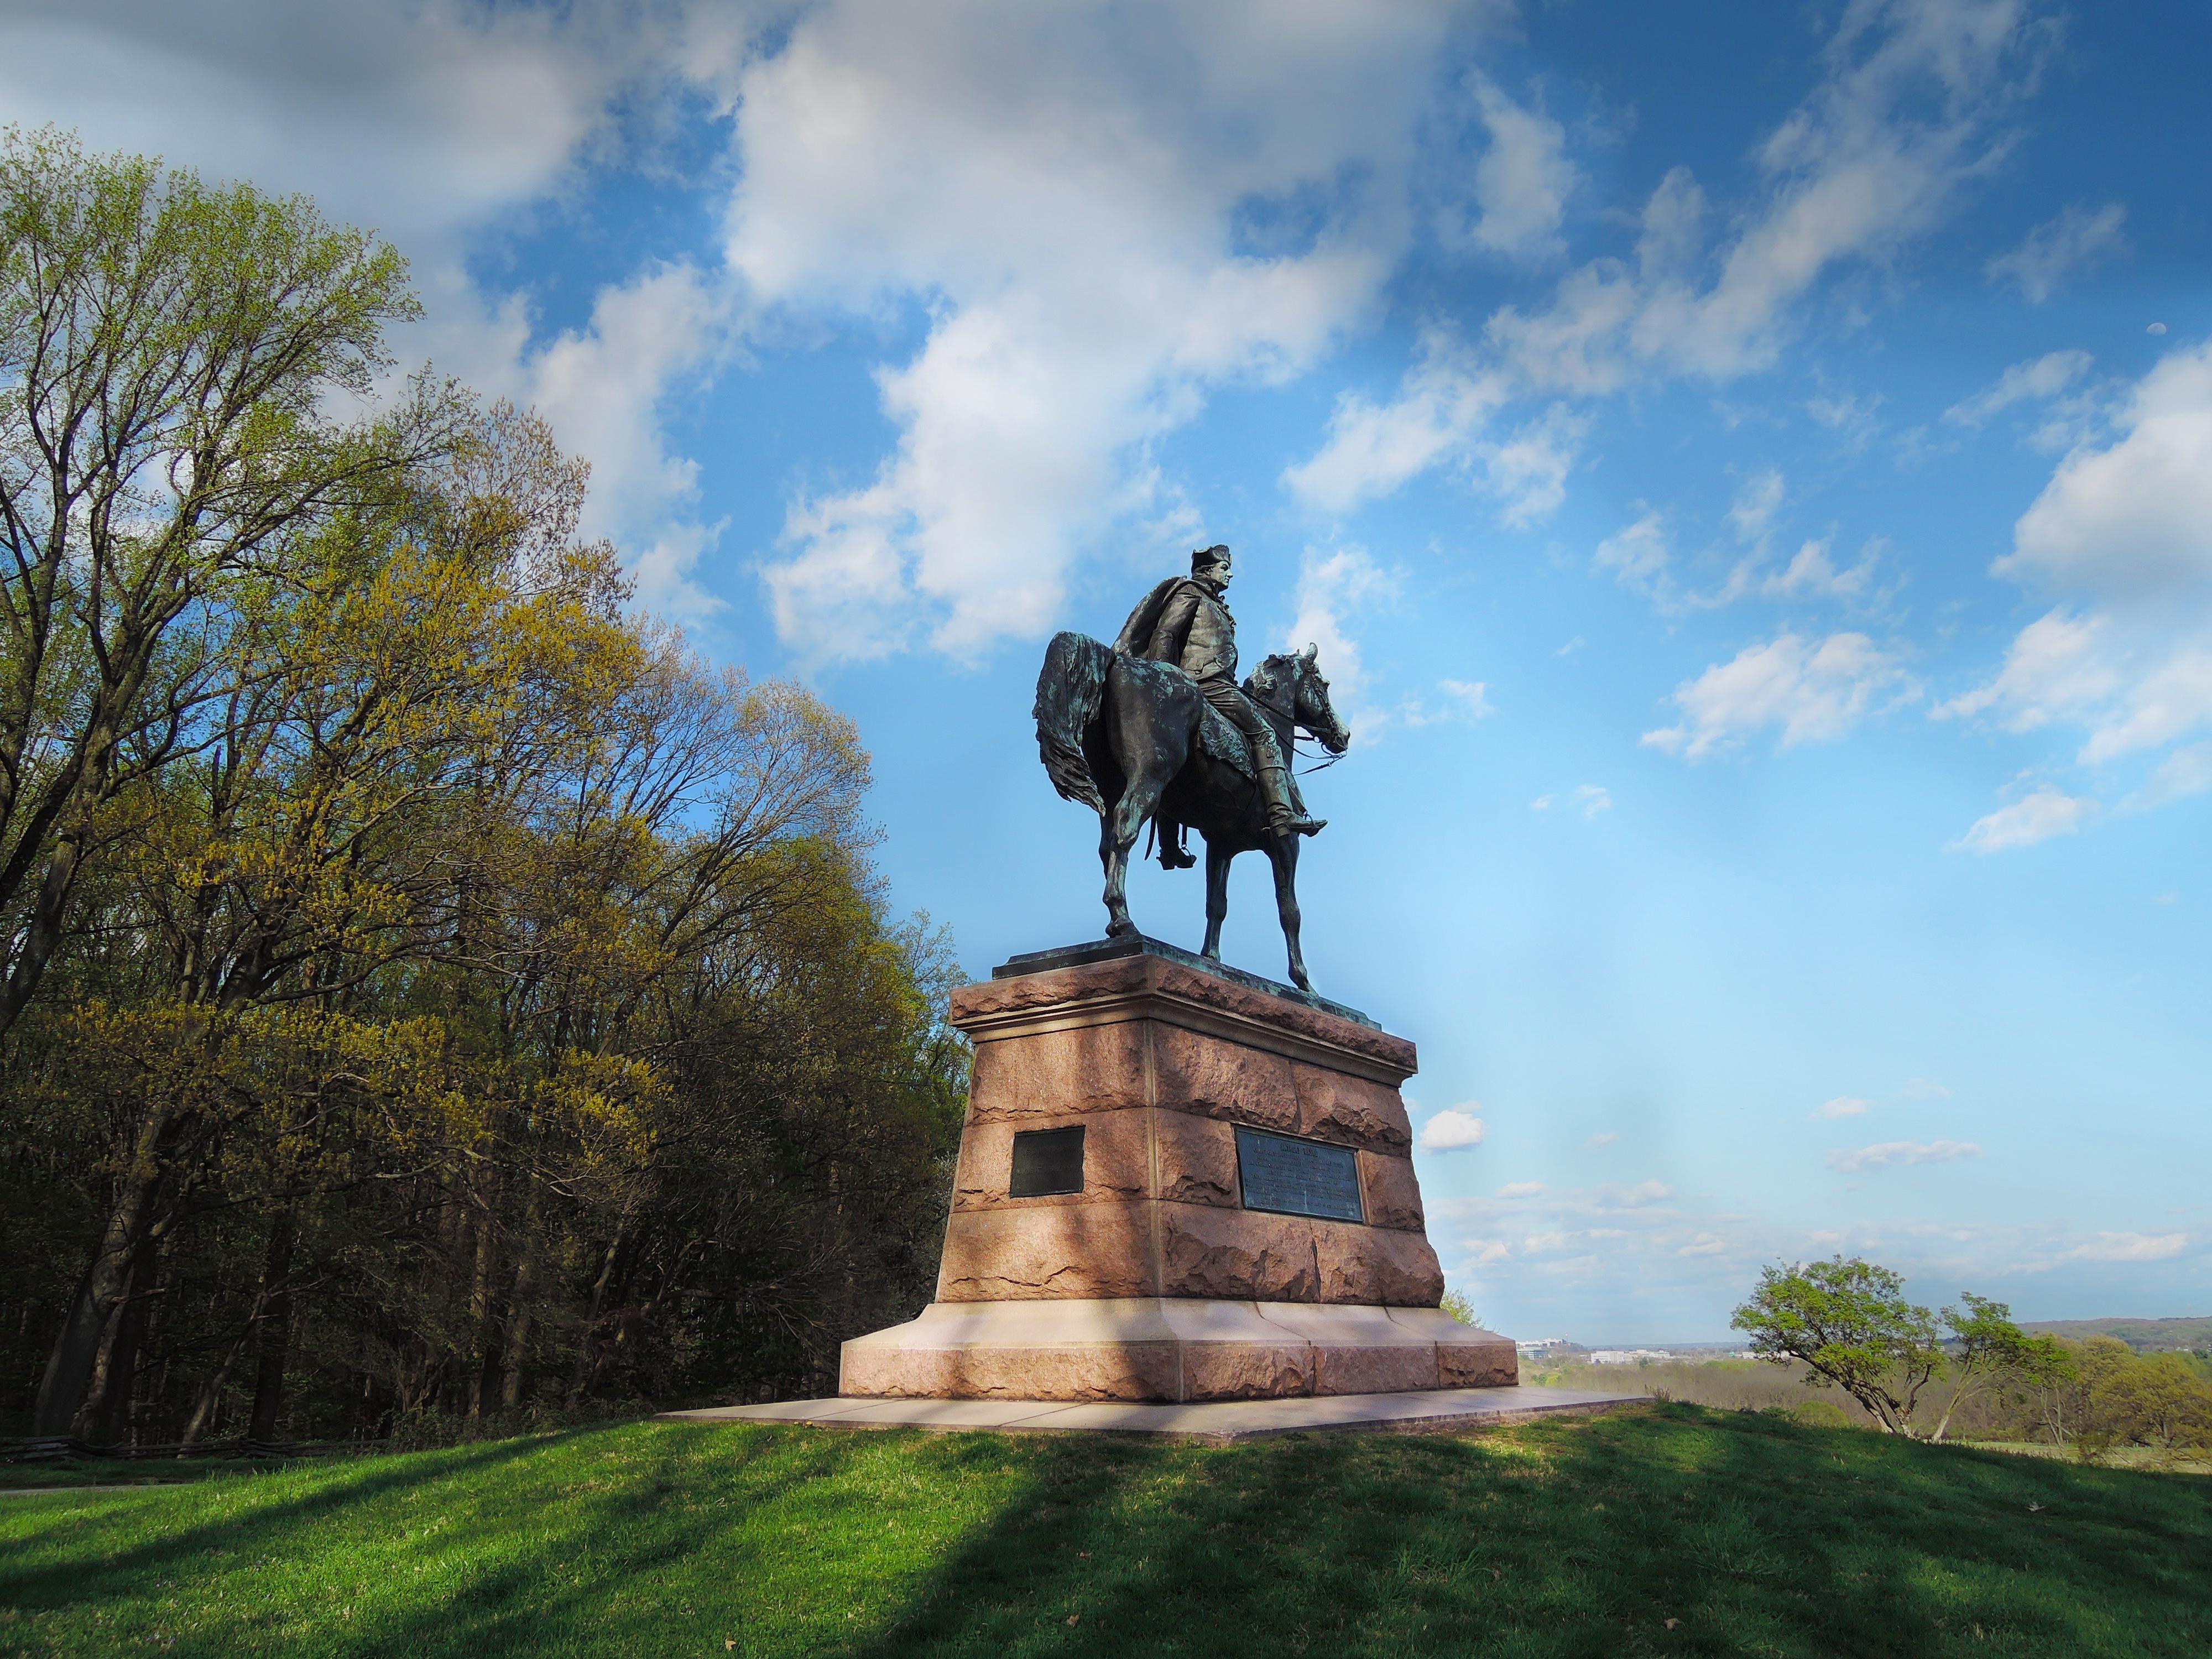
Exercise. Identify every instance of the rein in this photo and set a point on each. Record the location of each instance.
(1289, 732)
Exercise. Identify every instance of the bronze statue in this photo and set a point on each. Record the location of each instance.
(1186, 620)
(1158, 728)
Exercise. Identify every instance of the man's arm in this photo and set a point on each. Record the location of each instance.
(1174, 625)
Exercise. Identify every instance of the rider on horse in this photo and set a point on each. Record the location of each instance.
(1186, 620)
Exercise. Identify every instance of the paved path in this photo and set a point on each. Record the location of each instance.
(1435, 1411)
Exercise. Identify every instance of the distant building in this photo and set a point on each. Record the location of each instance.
(1542, 1343)
(1628, 1356)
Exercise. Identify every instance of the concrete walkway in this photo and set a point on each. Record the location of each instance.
(1430, 1412)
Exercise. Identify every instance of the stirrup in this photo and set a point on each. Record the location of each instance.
(1174, 858)
(1290, 824)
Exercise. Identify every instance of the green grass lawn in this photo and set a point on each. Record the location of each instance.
(1678, 1530)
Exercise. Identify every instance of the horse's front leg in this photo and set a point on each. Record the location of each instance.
(1217, 898)
(1118, 830)
(1283, 854)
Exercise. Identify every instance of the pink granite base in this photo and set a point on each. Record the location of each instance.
(1155, 1281)
(1166, 1348)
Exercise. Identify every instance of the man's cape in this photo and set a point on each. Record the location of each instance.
(1136, 635)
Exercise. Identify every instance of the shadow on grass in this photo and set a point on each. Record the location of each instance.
(1562, 1539)
(1751, 1536)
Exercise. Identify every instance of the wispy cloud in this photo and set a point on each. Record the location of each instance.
(2055, 249)
(1901, 1154)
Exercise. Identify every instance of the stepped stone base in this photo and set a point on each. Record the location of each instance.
(1174, 1349)
(1154, 1274)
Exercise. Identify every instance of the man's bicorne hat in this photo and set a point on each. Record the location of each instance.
(1209, 558)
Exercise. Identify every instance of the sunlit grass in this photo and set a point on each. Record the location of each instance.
(1753, 1537)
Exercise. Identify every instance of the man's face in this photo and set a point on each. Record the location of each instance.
(1218, 572)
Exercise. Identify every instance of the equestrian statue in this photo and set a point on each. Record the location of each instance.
(1158, 728)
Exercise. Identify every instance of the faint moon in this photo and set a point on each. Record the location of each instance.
(2156, 328)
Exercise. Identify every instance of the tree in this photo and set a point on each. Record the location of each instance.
(1848, 1322)
(1988, 1351)
(166, 347)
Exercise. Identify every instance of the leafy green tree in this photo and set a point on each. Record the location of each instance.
(1848, 1322)
(1988, 1352)
(166, 347)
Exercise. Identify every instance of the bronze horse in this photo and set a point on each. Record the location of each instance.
(1121, 735)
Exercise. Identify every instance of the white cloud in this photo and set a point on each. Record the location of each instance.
(1451, 1130)
(1593, 798)
(1842, 1106)
(1528, 471)
(2040, 378)
(1811, 573)
(2054, 250)
(1638, 554)
(1460, 702)
(2048, 812)
(1634, 1198)
(2184, 773)
(1757, 501)
(1335, 586)
(1596, 1143)
(1906, 110)
(430, 122)
(2131, 1246)
(1089, 280)
(1920, 1088)
(1372, 448)
(1815, 691)
(1521, 1189)
(2133, 520)
(1899, 1154)
(1520, 184)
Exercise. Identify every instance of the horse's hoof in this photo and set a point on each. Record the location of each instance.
(1122, 929)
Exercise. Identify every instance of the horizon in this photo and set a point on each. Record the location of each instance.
(1748, 477)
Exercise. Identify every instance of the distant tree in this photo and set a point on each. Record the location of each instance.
(1848, 1322)
(1988, 1352)
(1457, 1304)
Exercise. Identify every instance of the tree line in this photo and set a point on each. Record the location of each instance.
(1970, 1372)
(429, 992)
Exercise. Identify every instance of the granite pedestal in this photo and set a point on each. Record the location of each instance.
(1153, 1276)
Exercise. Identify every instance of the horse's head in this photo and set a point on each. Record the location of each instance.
(1297, 688)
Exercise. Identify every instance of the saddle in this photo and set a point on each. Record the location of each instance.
(1218, 737)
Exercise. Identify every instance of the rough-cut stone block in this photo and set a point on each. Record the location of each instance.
(1246, 1370)
(1197, 1159)
(1032, 1250)
(1350, 1110)
(1391, 1193)
(1492, 1365)
(1352, 1370)
(1209, 1077)
(1095, 1068)
(1239, 1255)
(1136, 1370)
(1116, 1160)
(1376, 1265)
(1114, 984)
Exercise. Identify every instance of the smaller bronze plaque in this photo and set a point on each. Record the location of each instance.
(1047, 1162)
(1292, 1176)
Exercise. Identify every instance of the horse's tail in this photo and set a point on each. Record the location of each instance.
(1070, 687)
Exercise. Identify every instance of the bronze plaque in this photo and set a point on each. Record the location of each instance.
(1047, 1162)
(1292, 1176)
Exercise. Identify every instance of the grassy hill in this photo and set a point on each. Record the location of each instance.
(2144, 1335)
(1678, 1530)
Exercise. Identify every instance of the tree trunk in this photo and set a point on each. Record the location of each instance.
(107, 1413)
(62, 1388)
(276, 1327)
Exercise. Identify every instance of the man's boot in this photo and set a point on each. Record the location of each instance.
(1284, 817)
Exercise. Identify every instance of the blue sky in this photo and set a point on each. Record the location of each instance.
(1748, 468)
